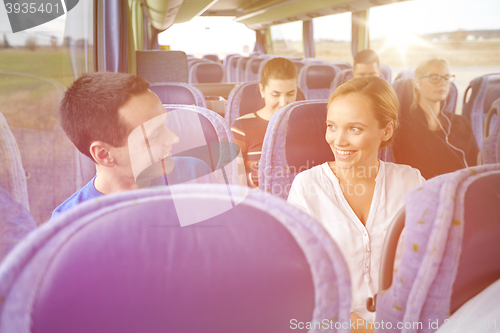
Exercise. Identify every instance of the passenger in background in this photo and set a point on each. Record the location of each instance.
(357, 196)
(115, 120)
(278, 88)
(433, 141)
(366, 63)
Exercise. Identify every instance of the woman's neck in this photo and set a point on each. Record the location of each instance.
(265, 113)
(358, 174)
(432, 109)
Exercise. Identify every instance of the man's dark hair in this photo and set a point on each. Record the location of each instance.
(366, 57)
(89, 110)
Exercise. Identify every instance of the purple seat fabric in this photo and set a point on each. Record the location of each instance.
(490, 150)
(15, 222)
(178, 93)
(124, 264)
(204, 134)
(294, 142)
(227, 65)
(409, 72)
(342, 64)
(206, 72)
(246, 98)
(315, 79)
(343, 76)
(211, 57)
(254, 68)
(404, 90)
(484, 91)
(232, 68)
(241, 67)
(450, 248)
(56, 168)
(346, 74)
(12, 174)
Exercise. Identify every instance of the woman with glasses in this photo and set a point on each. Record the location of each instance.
(430, 139)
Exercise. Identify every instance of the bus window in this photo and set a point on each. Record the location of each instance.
(37, 64)
(467, 35)
(287, 39)
(202, 35)
(332, 37)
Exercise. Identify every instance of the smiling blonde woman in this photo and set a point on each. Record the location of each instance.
(357, 196)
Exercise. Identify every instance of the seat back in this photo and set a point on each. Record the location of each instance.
(484, 91)
(343, 76)
(386, 72)
(252, 72)
(241, 67)
(126, 264)
(205, 135)
(408, 72)
(206, 72)
(315, 79)
(178, 93)
(246, 98)
(451, 225)
(56, 168)
(227, 67)
(404, 90)
(232, 73)
(15, 222)
(211, 57)
(294, 142)
(490, 150)
(12, 174)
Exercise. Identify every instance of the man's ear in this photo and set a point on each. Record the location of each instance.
(100, 151)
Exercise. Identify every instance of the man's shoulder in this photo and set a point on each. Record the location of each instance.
(85, 193)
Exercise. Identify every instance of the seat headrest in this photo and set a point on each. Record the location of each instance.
(319, 76)
(305, 139)
(172, 64)
(173, 94)
(493, 91)
(209, 73)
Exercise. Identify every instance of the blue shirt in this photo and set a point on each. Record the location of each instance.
(185, 170)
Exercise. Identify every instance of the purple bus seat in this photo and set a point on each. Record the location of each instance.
(341, 64)
(15, 222)
(232, 69)
(254, 68)
(346, 74)
(490, 151)
(241, 66)
(343, 76)
(211, 57)
(484, 91)
(12, 174)
(404, 90)
(406, 73)
(386, 72)
(294, 142)
(124, 264)
(206, 72)
(315, 79)
(449, 249)
(246, 98)
(204, 134)
(298, 65)
(178, 93)
(56, 168)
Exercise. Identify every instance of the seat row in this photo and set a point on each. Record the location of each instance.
(124, 263)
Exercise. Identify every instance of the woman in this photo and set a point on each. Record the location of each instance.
(433, 141)
(278, 88)
(357, 196)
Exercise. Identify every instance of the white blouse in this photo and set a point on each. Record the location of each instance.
(317, 191)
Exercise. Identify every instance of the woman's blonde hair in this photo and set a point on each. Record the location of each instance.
(379, 94)
(422, 68)
(278, 69)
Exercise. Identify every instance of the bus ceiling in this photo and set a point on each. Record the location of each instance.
(256, 14)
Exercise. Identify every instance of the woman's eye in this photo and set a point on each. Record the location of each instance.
(355, 129)
(331, 127)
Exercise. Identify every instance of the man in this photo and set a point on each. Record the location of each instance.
(366, 63)
(115, 119)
